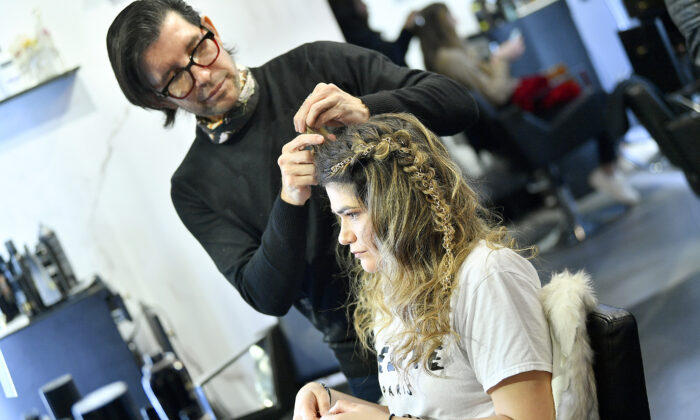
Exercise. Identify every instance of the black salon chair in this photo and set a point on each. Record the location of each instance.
(536, 144)
(673, 121)
(310, 357)
(298, 355)
(617, 364)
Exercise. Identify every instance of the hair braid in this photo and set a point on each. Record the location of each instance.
(422, 175)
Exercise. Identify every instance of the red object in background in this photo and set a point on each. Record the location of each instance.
(529, 91)
(559, 95)
(534, 94)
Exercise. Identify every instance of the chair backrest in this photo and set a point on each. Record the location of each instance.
(685, 137)
(534, 142)
(311, 358)
(617, 364)
(650, 51)
(649, 107)
(678, 136)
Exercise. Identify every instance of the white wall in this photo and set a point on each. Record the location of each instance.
(598, 22)
(78, 157)
(389, 16)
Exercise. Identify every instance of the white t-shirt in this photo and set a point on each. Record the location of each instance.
(502, 332)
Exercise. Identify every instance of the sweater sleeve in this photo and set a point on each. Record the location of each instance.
(253, 263)
(441, 104)
(686, 15)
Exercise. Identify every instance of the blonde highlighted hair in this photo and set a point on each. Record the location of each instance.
(425, 220)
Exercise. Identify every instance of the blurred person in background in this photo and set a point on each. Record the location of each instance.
(445, 53)
(353, 19)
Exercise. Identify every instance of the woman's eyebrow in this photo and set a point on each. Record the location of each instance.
(344, 209)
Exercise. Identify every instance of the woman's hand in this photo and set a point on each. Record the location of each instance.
(311, 402)
(347, 410)
(511, 49)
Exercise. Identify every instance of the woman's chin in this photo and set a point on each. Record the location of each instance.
(369, 266)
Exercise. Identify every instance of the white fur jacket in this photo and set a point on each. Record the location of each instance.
(567, 300)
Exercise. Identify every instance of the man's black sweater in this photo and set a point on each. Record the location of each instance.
(228, 195)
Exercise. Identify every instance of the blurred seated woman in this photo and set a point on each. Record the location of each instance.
(441, 295)
(445, 53)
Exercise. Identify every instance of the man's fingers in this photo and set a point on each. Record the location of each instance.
(301, 181)
(301, 141)
(320, 107)
(302, 169)
(330, 118)
(320, 92)
(296, 156)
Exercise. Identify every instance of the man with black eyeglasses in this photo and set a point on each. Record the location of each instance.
(252, 208)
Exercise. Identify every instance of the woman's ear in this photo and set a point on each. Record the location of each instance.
(207, 23)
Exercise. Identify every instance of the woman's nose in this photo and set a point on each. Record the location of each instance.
(346, 237)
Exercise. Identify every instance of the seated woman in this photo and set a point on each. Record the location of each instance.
(445, 53)
(449, 306)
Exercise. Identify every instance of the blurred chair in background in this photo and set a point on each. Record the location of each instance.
(553, 116)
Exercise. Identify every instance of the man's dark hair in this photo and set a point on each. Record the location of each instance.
(132, 32)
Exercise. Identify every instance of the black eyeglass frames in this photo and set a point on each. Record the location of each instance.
(204, 54)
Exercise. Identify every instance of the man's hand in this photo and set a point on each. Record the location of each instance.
(347, 410)
(329, 105)
(298, 170)
(311, 402)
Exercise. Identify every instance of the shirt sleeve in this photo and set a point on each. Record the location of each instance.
(504, 329)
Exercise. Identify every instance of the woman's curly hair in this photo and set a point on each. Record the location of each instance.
(425, 220)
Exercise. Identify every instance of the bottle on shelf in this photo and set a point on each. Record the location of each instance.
(33, 304)
(483, 17)
(8, 301)
(50, 248)
(47, 289)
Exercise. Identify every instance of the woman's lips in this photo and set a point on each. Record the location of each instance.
(357, 254)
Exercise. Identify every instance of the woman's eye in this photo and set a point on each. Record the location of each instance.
(353, 215)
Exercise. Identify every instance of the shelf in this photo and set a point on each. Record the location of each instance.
(53, 78)
(79, 291)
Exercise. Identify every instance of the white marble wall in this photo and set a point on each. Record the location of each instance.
(78, 157)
